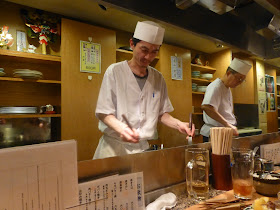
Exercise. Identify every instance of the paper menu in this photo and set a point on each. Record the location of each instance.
(39, 177)
(116, 192)
(271, 152)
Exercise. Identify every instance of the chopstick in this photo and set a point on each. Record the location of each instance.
(126, 121)
(221, 140)
(190, 122)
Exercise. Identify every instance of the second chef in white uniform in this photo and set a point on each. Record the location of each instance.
(138, 91)
(217, 104)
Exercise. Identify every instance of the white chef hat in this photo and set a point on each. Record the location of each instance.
(149, 31)
(240, 66)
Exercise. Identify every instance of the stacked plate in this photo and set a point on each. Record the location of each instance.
(194, 87)
(27, 74)
(206, 76)
(195, 74)
(201, 88)
(18, 110)
(2, 73)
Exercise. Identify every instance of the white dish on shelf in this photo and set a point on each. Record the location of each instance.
(16, 71)
(201, 88)
(2, 73)
(28, 74)
(206, 76)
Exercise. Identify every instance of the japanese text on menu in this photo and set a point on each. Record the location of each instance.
(90, 57)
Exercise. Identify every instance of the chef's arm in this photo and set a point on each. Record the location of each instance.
(127, 134)
(172, 122)
(214, 114)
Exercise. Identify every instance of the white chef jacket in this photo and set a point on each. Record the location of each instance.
(219, 96)
(120, 94)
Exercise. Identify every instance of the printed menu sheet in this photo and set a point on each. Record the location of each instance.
(116, 192)
(39, 177)
(271, 152)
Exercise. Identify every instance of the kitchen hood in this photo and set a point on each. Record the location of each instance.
(237, 26)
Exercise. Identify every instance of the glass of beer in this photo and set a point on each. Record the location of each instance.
(197, 173)
(242, 167)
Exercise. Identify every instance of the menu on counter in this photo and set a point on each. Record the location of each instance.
(116, 192)
(271, 152)
(39, 177)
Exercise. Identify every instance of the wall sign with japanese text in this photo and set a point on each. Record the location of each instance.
(90, 57)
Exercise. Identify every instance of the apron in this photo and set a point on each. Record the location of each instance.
(109, 146)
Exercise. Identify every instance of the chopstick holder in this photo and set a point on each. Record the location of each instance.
(221, 140)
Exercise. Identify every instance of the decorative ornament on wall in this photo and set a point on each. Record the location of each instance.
(41, 25)
(6, 39)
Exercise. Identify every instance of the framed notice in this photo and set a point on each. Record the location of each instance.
(176, 68)
(271, 152)
(21, 41)
(90, 57)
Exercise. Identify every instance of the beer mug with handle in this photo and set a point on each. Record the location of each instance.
(242, 168)
(197, 173)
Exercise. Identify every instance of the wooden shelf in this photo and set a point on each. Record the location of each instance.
(207, 69)
(29, 56)
(198, 80)
(29, 80)
(129, 52)
(278, 84)
(28, 115)
(198, 93)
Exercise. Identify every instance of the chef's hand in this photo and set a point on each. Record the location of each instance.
(130, 135)
(235, 132)
(184, 128)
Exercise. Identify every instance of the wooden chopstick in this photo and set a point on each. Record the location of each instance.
(190, 122)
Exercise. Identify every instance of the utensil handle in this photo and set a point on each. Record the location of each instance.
(190, 122)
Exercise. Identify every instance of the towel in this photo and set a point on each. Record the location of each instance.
(165, 201)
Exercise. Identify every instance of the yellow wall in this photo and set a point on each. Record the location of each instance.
(179, 92)
(79, 95)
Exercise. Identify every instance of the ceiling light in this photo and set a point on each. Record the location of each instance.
(218, 45)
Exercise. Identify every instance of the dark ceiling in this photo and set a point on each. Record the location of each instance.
(238, 27)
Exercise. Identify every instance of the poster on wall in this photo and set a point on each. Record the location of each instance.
(176, 68)
(269, 84)
(270, 101)
(261, 83)
(90, 57)
(270, 93)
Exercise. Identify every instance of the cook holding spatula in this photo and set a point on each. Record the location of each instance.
(133, 98)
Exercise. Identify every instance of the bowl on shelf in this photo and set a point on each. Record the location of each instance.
(206, 76)
(201, 88)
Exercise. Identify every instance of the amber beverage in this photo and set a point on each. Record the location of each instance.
(242, 173)
(243, 188)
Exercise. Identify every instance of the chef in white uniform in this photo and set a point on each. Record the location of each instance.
(137, 91)
(217, 104)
